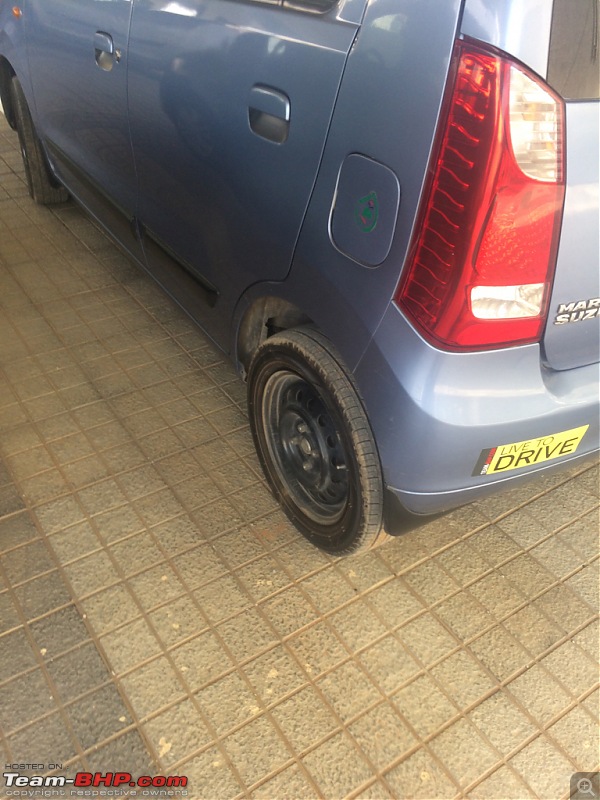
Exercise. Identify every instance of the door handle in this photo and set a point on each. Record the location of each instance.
(105, 52)
(269, 113)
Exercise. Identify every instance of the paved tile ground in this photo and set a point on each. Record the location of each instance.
(160, 616)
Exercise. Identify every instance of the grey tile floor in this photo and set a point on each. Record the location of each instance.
(159, 616)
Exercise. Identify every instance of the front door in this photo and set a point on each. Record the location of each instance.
(77, 51)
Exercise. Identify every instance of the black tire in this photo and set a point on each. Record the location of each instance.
(42, 185)
(315, 443)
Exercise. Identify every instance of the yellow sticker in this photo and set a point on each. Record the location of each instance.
(526, 454)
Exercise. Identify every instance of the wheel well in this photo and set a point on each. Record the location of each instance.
(266, 316)
(6, 75)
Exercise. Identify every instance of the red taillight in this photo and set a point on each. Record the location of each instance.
(483, 256)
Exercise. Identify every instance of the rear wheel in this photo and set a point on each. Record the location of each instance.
(42, 185)
(315, 442)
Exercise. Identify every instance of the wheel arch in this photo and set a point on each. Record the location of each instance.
(265, 316)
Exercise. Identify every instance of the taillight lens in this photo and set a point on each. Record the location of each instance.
(483, 256)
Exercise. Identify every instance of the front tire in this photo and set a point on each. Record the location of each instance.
(43, 186)
(314, 441)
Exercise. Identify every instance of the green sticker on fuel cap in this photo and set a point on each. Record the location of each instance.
(366, 212)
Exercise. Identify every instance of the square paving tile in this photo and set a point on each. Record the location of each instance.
(464, 752)
(274, 675)
(463, 679)
(503, 784)
(501, 653)
(544, 767)
(503, 723)
(578, 735)
(383, 736)
(540, 694)
(348, 690)
(152, 686)
(177, 733)
(229, 702)
(427, 639)
(425, 706)
(47, 741)
(98, 716)
(421, 776)
(389, 664)
(257, 750)
(336, 766)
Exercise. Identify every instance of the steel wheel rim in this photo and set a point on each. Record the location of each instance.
(305, 447)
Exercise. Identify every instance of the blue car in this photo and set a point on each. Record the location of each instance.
(384, 211)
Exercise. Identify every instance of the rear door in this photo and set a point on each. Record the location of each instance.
(230, 104)
(572, 336)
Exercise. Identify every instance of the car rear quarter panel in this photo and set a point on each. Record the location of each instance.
(387, 110)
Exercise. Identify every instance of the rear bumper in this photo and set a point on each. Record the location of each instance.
(435, 414)
(405, 511)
